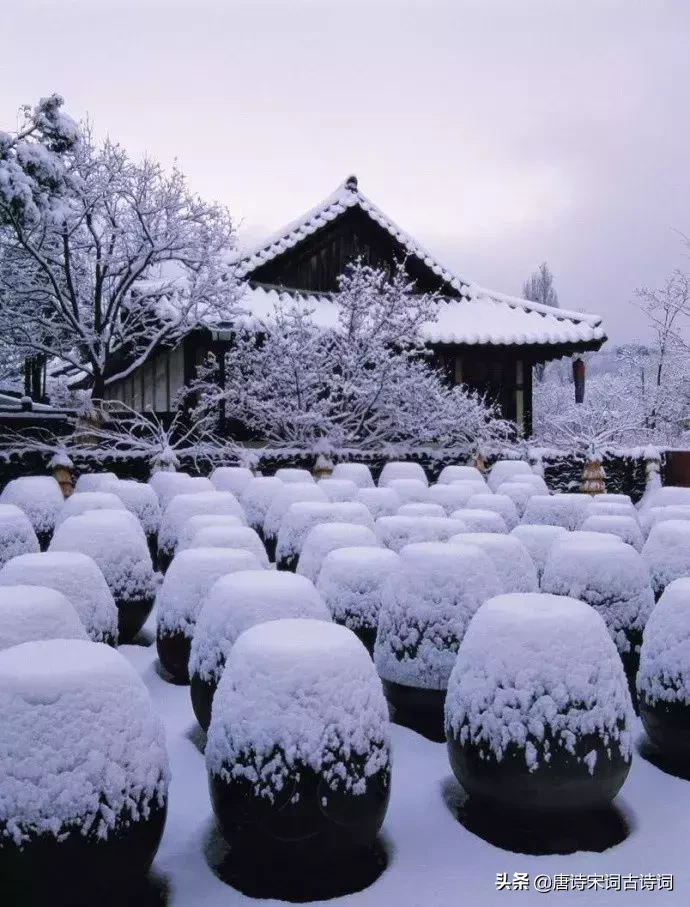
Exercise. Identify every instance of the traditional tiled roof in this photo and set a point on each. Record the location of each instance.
(478, 316)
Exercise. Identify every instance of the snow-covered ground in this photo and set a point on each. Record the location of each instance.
(434, 860)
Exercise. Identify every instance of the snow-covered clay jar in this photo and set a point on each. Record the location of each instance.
(397, 469)
(289, 494)
(298, 750)
(83, 773)
(456, 473)
(409, 491)
(116, 542)
(538, 715)
(625, 527)
(454, 495)
(194, 524)
(290, 474)
(426, 605)
(497, 503)
(507, 470)
(379, 501)
(93, 481)
(480, 520)
(359, 473)
(301, 518)
(338, 490)
(142, 501)
(256, 498)
(78, 578)
(77, 504)
(187, 583)
(566, 510)
(397, 531)
(667, 553)
(40, 498)
(28, 613)
(327, 537)
(351, 582)
(184, 506)
(17, 535)
(518, 492)
(231, 537)
(169, 484)
(611, 577)
(235, 603)
(231, 478)
(663, 680)
(510, 558)
(538, 540)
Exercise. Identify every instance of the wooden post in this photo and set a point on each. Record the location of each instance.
(579, 380)
(593, 478)
(323, 468)
(65, 479)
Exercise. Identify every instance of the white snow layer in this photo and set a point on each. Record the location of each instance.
(359, 473)
(426, 606)
(533, 665)
(538, 540)
(240, 600)
(409, 490)
(337, 490)
(38, 496)
(184, 506)
(453, 496)
(566, 510)
(664, 673)
(511, 559)
(256, 498)
(191, 526)
(231, 478)
(613, 579)
(231, 537)
(625, 527)
(397, 531)
(78, 578)
(399, 470)
(29, 612)
(518, 492)
(290, 474)
(351, 582)
(480, 520)
(188, 581)
(498, 503)
(507, 470)
(380, 501)
(610, 508)
(17, 535)
(456, 473)
(420, 508)
(299, 692)
(660, 514)
(140, 499)
(290, 493)
(326, 537)
(168, 484)
(87, 501)
(93, 481)
(80, 740)
(302, 516)
(116, 542)
(663, 497)
(667, 553)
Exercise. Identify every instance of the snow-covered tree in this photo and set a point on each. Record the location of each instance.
(539, 287)
(365, 381)
(610, 416)
(102, 258)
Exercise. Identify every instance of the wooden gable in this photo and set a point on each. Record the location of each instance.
(314, 263)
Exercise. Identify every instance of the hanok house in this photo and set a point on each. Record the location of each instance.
(487, 340)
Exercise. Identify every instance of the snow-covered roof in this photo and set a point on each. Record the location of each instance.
(476, 317)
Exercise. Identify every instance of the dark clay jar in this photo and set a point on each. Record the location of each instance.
(152, 542)
(270, 544)
(668, 726)
(79, 870)
(288, 563)
(132, 615)
(173, 652)
(563, 784)
(44, 539)
(306, 824)
(366, 635)
(202, 693)
(417, 708)
(164, 559)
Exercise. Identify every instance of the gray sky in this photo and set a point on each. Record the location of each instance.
(498, 132)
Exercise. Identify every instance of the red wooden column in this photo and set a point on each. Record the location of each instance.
(579, 380)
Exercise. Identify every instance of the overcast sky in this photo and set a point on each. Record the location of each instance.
(499, 133)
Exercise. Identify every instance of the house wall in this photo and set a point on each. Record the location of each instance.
(154, 385)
